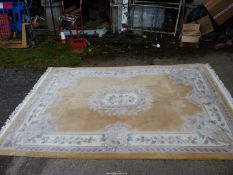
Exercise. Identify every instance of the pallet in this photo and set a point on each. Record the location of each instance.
(17, 44)
(184, 44)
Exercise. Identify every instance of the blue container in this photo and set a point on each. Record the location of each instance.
(17, 13)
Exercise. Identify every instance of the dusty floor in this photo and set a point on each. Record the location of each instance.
(16, 83)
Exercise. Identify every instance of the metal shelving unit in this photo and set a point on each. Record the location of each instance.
(158, 4)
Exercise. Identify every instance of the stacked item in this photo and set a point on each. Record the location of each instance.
(190, 35)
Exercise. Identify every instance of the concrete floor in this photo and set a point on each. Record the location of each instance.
(16, 83)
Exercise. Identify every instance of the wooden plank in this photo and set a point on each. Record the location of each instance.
(70, 9)
(24, 35)
(195, 45)
(10, 42)
(17, 44)
(74, 12)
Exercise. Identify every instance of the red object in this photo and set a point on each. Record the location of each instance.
(77, 41)
(5, 30)
(7, 5)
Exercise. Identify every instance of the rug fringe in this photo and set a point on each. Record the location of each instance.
(221, 85)
(24, 102)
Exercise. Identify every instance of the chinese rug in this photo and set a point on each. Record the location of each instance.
(149, 112)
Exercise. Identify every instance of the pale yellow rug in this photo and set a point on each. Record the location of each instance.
(155, 112)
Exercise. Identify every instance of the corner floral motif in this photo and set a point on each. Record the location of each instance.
(209, 125)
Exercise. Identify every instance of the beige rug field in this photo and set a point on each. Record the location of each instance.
(148, 112)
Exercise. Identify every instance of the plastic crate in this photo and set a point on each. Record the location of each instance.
(5, 31)
(79, 43)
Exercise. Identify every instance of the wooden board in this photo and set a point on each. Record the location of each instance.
(17, 44)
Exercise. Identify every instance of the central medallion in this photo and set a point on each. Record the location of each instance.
(121, 101)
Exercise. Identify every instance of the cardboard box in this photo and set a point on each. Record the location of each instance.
(190, 33)
(220, 10)
(206, 25)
